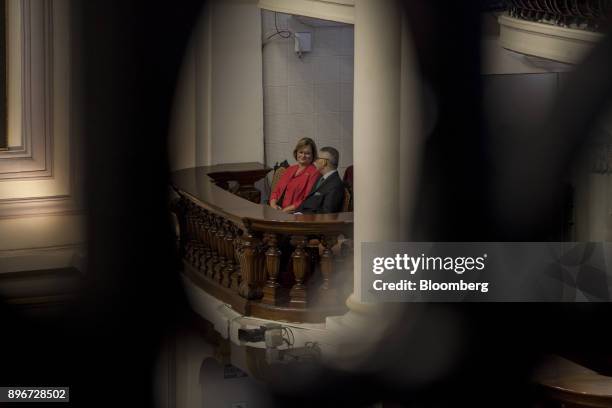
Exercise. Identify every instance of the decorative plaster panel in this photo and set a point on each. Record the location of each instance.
(41, 178)
(33, 157)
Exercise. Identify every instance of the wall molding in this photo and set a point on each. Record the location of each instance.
(544, 40)
(28, 207)
(34, 259)
(335, 10)
(40, 178)
(34, 158)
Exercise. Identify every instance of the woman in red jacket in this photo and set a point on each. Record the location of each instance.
(298, 180)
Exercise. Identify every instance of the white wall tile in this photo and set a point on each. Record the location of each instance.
(267, 20)
(275, 63)
(347, 41)
(346, 126)
(276, 153)
(288, 151)
(276, 128)
(346, 139)
(346, 97)
(275, 99)
(346, 153)
(326, 41)
(327, 98)
(318, 97)
(327, 69)
(327, 128)
(299, 126)
(301, 99)
(346, 68)
(297, 26)
(301, 71)
(282, 20)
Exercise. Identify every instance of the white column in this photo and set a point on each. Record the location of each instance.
(376, 126)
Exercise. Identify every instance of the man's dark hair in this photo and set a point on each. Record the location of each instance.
(335, 156)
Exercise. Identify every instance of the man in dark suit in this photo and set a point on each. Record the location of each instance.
(328, 193)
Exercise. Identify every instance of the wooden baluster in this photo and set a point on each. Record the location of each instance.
(273, 258)
(327, 294)
(187, 223)
(249, 287)
(238, 253)
(206, 252)
(300, 266)
(346, 251)
(343, 265)
(228, 249)
(212, 231)
(180, 215)
(190, 254)
(199, 258)
(190, 208)
(261, 267)
(220, 240)
(199, 243)
(214, 259)
(188, 251)
(197, 225)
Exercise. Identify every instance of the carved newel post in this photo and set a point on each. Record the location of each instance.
(300, 266)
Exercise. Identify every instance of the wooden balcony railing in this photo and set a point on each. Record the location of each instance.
(261, 261)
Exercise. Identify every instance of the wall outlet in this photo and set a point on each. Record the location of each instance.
(303, 42)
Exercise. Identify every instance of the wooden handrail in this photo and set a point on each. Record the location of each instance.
(260, 260)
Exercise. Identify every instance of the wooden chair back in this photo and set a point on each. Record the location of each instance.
(346, 202)
(278, 173)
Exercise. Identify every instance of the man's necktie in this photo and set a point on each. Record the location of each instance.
(319, 182)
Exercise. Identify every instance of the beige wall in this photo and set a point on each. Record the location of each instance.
(41, 226)
(218, 114)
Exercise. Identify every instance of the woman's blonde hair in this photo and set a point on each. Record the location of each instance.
(302, 143)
